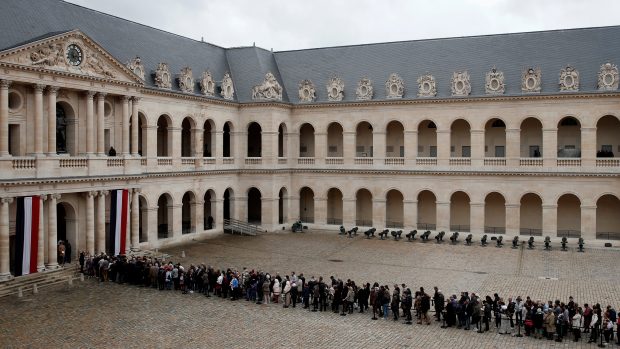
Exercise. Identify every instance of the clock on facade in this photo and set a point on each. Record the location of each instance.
(74, 55)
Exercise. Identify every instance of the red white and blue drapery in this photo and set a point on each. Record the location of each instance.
(119, 209)
(27, 235)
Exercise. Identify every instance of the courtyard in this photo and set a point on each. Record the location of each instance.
(93, 314)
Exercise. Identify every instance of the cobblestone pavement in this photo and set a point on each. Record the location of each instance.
(108, 315)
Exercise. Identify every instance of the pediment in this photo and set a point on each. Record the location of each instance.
(71, 53)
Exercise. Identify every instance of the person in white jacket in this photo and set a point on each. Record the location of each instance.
(287, 293)
(594, 325)
(577, 322)
(276, 290)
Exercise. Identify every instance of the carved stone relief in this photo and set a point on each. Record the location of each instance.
(50, 55)
(569, 79)
(270, 89)
(186, 80)
(98, 65)
(531, 80)
(364, 90)
(207, 85)
(394, 86)
(162, 76)
(335, 89)
(307, 92)
(495, 82)
(135, 65)
(460, 84)
(608, 77)
(228, 90)
(426, 86)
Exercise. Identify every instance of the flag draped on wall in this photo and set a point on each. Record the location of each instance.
(118, 220)
(27, 235)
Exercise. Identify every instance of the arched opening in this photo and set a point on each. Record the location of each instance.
(143, 224)
(495, 139)
(530, 215)
(607, 217)
(163, 136)
(495, 214)
(208, 139)
(334, 206)
(394, 209)
(306, 141)
(66, 225)
(65, 130)
(281, 140)
(395, 140)
(282, 211)
(460, 139)
(254, 206)
(306, 205)
(363, 140)
(209, 210)
(226, 146)
(228, 203)
(363, 208)
(187, 137)
(569, 138)
(164, 216)
(254, 140)
(142, 134)
(569, 216)
(427, 139)
(427, 210)
(334, 140)
(531, 138)
(608, 137)
(187, 213)
(460, 212)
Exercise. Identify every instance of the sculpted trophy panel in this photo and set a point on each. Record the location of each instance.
(270, 89)
(135, 65)
(307, 92)
(207, 84)
(364, 90)
(460, 84)
(569, 79)
(394, 86)
(162, 76)
(335, 89)
(531, 80)
(608, 77)
(186, 80)
(426, 86)
(228, 90)
(495, 82)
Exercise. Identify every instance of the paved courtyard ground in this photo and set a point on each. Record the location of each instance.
(94, 315)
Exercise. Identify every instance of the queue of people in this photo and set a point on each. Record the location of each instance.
(551, 320)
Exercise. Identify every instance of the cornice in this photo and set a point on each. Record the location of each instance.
(187, 96)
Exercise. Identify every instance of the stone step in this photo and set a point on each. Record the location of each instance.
(41, 279)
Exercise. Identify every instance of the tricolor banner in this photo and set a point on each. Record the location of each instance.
(118, 220)
(27, 235)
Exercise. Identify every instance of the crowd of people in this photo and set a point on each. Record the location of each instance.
(551, 320)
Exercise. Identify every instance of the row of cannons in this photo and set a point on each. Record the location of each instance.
(454, 238)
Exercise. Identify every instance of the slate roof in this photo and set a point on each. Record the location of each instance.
(585, 49)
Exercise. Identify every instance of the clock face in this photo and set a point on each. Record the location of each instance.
(74, 55)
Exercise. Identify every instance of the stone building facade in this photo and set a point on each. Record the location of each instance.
(262, 137)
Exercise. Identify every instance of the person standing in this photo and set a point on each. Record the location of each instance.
(82, 260)
(395, 302)
(439, 301)
(577, 322)
(67, 252)
(61, 253)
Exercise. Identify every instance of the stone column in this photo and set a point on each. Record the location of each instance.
(100, 222)
(135, 218)
(197, 208)
(125, 125)
(41, 242)
(52, 92)
(550, 148)
(588, 222)
(269, 151)
(269, 212)
(320, 210)
(513, 219)
(476, 217)
(5, 272)
(348, 212)
(52, 232)
(100, 123)
(443, 147)
(588, 146)
(410, 208)
(477, 147)
(513, 146)
(218, 218)
(378, 138)
(293, 208)
(241, 208)
(550, 220)
(219, 146)
(38, 119)
(4, 118)
(90, 222)
(348, 147)
(90, 127)
(177, 221)
(378, 212)
(320, 148)
(135, 126)
(198, 147)
(443, 215)
(411, 148)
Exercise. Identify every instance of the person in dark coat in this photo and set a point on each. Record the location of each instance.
(82, 260)
(67, 252)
